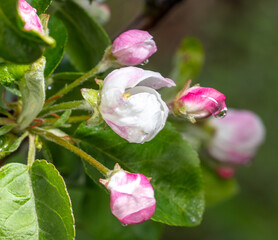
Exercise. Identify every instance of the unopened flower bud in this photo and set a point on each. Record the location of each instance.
(30, 17)
(236, 137)
(199, 102)
(133, 47)
(132, 197)
(131, 106)
(226, 172)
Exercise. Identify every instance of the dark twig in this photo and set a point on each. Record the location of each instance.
(154, 11)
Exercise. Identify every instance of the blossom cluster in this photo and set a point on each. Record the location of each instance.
(132, 107)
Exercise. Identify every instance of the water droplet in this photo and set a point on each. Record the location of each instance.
(145, 62)
(49, 87)
(222, 113)
(193, 219)
(124, 225)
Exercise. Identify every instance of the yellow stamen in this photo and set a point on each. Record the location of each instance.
(126, 95)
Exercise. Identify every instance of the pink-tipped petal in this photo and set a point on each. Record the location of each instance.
(199, 102)
(30, 17)
(132, 197)
(133, 47)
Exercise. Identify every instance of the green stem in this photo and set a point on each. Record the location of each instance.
(6, 121)
(32, 150)
(73, 119)
(52, 137)
(62, 107)
(102, 66)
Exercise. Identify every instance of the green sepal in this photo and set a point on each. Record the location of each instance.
(92, 96)
(62, 120)
(10, 143)
(5, 129)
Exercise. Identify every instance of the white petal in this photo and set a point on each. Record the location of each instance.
(140, 117)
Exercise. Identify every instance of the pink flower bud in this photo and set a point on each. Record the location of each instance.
(132, 197)
(236, 137)
(199, 102)
(226, 172)
(131, 106)
(133, 47)
(29, 16)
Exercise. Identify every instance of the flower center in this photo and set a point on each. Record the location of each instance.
(126, 95)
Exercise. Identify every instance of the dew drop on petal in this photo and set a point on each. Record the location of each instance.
(124, 225)
(145, 62)
(222, 113)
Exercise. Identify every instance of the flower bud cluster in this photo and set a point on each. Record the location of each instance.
(131, 106)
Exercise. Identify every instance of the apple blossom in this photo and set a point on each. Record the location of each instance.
(30, 17)
(131, 106)
(132, 198)
(199, 102)
(236, 137)
(133, 47)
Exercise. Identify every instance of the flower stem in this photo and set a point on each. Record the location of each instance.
(52, 137)
(100, 67)
(81, 104)
(32, 150)
(73, 119)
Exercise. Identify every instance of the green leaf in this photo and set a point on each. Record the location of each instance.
(14, 91)
(33, 93)
(168, 159)
(16, 44)
(87, 39)
(34, 203)
(188, 62)
(5, 129)
(216, 188)
(10, 143)
(53, 56)
(40, 5)
(11, 73)
(95, 218)
(4, 112)
(5, 143)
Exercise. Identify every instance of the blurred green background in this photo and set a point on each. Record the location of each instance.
(240, 39)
